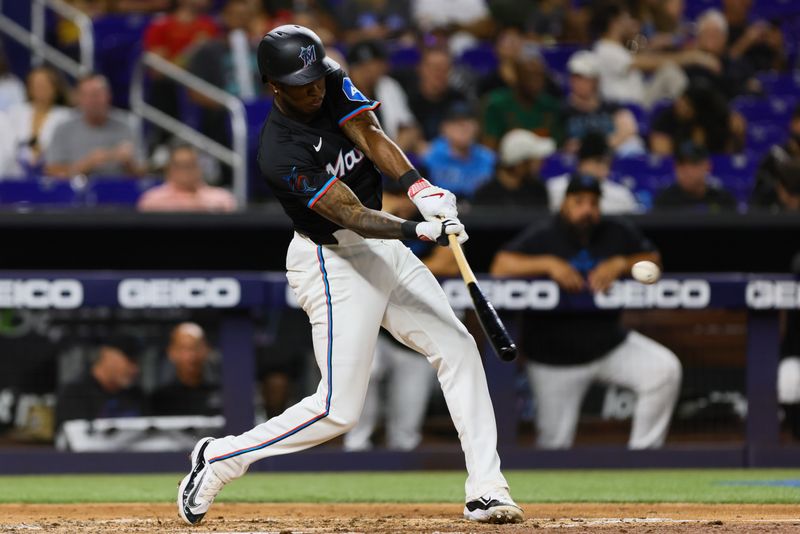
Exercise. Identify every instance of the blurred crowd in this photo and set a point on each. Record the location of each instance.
(670, 106)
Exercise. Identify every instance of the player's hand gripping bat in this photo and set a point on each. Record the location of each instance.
(502, 343)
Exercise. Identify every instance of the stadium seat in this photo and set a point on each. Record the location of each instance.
(403, 58)
(556, 165)
(480, 59)
(557, 57)
(118, 41)
(119, 191)
(736, 173)
(780, 84)
(41, 191)
(774, 110)
(645, 176)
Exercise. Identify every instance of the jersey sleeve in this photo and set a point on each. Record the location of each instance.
(297, 177)
(346, 100)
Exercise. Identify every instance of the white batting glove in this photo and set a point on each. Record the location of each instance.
(437, 231)
(433, 202)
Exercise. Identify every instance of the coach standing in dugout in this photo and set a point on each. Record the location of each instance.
(569, 350)
(320, 151)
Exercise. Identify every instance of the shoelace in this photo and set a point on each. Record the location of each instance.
(210, 488)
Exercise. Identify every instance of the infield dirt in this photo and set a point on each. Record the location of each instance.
(395, 518)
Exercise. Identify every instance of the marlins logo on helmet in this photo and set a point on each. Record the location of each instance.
(308, 54)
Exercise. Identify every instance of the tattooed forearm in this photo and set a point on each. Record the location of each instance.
(342, 206)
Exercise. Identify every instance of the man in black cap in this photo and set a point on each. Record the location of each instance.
(569, 350)
(320, 152)
(107, 388)
(594, 159)
(692, 190)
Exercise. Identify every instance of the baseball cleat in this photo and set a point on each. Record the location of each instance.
(198, 489)
(494, 508)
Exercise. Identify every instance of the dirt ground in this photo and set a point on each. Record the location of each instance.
(395, 518)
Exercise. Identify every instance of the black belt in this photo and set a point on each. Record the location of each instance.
(319, 239)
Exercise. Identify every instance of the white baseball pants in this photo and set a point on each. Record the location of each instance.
(409, 379)
(648, 368)
(349, 291)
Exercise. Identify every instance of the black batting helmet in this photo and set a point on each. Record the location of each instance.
(293, 55)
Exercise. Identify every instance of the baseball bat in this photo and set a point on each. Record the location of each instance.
(502, 343)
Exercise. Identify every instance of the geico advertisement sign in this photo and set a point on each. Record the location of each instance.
(179, 293)
(664, 294)
(545, 294)
(766, 294)
(36, 293)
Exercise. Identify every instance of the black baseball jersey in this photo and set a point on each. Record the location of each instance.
(568, 337)
(301, 161)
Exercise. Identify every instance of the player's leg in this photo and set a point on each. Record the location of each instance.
(420, 316)
(410, 381)
(653, 372)
(359, 438)
(558, 393)
(344, 294)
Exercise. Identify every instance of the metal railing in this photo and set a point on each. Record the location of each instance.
(34, 38)
(236, 157)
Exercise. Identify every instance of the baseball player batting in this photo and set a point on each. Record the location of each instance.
(321, 150)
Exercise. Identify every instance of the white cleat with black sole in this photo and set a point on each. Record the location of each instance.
(198, 489)
(494, 508)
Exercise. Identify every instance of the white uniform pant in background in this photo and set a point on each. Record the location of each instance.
(409, 379)
(640, 364)
(349, 291)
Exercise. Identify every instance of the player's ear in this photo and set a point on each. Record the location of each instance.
(273, 87)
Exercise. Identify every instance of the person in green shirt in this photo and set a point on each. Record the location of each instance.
(524, 105)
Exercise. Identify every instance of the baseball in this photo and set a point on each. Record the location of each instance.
(645, 272)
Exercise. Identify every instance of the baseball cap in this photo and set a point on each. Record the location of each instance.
(130, 346)
(593, 145)
(584, 63)
(459, 110)
(364, 51)
(519, 145)
(689, 152)
(580, 183)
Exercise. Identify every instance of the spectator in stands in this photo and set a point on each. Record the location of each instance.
(693, 189)
(464, 21)
(190, 392)
(581, 250)
(786, 193)
(95, 142)
(35, 121)
(12, 90)
(584, 111)
(594, 159)
(622, 76)
(368, 69)
(759, 42)
(543, 21)
(228, 62)
(172, 36)
(455, 160)
(429, 90)
(526, 105)
(764, 191)
(700, 115)
(735, 76)
(517, 181)
(663, 24)
(108, 388)
(184, 189)
(377, 20)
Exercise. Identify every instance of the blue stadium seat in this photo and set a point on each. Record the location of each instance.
(480, 59)
(119, 191)
(775, 9)
(42, 191)
(557, 57)
(403, 58)
(556, 165)
(644, 175)
(780, 84)
(642, 118)
(774, 110)
(736, 173)
(118, 41)
(695, 7)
